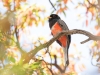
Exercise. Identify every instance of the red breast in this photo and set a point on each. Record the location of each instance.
(55, 30)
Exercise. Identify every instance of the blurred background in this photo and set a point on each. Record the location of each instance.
(24, 27)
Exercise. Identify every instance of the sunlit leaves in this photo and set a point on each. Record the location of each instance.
(92, 10)
(26, 69)
(11, 59)
(65, 1)
(97, 27)
(61, 6)
(62, 10)
(8, 4)
(35, 65)
(29, 17)
(94, 44)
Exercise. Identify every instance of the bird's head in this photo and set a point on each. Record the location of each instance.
(53, 16)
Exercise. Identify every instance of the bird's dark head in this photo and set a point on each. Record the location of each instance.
(53, 16)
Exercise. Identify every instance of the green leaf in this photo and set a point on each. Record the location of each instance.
(64, 13)
(26, 65)
(59, 0)
(12, 59)
(35, 65)
(18, 70)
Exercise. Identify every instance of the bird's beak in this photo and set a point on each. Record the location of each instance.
(48, 17)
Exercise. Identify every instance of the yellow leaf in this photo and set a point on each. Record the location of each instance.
(9, 1)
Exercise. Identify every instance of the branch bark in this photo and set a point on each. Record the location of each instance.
(70, 32)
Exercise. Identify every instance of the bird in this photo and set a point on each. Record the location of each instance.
(56, 25)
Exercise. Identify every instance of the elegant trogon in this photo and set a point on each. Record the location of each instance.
(57, 25)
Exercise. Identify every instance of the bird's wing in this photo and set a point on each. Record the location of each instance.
(63, 24)
(65, 27)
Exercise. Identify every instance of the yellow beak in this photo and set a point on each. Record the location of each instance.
(48, 17)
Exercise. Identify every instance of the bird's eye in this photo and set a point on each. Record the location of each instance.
(54, 15)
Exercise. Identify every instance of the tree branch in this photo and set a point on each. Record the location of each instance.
(93, 5)
(70, 32)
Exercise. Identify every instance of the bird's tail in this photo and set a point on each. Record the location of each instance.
(66, 58)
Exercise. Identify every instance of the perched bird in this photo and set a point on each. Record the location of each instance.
(57, 25)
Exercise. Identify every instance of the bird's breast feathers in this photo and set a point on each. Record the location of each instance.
(55, 30)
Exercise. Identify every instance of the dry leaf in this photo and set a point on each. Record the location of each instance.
(4, 24)
(65, 1)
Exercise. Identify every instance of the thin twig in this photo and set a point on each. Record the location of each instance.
(91, 61)
(92, 5)
(48, 67)
(14, 6)
(42, 60)
(57, 66)
(50, 56)
(52, 5)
